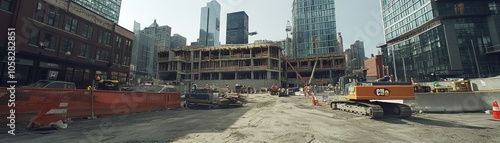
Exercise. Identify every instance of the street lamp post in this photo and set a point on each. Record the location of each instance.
(68, 53)
(41, 47)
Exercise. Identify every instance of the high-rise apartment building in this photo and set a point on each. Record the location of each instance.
(237, 28)
(427, 39)
(210, 24)
(314, 27)
(109, 9)
(357, 52)
(177, 41)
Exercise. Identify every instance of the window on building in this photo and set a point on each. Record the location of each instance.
(117, 58)
(53, 16)
(85, 51)
(118, 42)
(50, 40)
(98, 54)
(66, 45)
(87, 31)
(6, 5)
(104, 37)
(128, 45)
(71, 25)
(34, 37)
(126, 60)
(102, 55)
(39, 13)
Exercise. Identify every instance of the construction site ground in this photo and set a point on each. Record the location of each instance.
(267, 119)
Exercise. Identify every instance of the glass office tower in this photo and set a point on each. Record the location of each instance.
(106, 8)
(314, 27)
(429, 40)
(237, 28)
(210, 24)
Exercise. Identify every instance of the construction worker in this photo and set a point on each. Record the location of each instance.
(306, 91)
(195, 87)
(249, 89)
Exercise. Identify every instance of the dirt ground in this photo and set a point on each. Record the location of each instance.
(268, 119)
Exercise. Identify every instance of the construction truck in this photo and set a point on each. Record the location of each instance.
(461, 86)
(211, 99)
(420, 88)
(108, 85)
(360, 95)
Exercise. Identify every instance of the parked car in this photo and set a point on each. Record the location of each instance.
(52, 84)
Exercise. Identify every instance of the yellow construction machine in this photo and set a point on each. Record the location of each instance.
(461, 86)
(360, 97)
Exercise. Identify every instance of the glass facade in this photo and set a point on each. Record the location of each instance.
(401, 16)
(106, 8)
(210, 24)
(456, 42)
(314, 27)
(237, 28)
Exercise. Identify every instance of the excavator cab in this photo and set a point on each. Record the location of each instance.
(344, 83)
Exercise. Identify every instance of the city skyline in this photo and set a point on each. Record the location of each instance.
(184, 18)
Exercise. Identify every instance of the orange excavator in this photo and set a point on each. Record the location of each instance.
(364, 97)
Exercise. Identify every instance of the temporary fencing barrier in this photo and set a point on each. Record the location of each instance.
(43, 107)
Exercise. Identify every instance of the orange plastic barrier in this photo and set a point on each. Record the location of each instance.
(32, 105)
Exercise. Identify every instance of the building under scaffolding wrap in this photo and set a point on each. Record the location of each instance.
(256, 65)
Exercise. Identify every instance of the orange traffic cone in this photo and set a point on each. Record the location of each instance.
(496, 111)
(314, 101)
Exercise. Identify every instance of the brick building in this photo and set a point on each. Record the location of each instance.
(61, 40)
(375, 67)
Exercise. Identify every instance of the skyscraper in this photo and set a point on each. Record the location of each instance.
(106, 8)
(143, 53)
(314, 27)
(210, 24)
(161, 35)
(357, 55)
(237, 28)
(177, 41)
(429, 39)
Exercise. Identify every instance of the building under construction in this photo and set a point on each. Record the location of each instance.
(256, 65)
(329, 68)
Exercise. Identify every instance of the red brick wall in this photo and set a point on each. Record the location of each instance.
(371, 64)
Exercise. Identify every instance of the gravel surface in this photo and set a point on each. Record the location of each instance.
(268, 119)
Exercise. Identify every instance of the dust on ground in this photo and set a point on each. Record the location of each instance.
(268, 119)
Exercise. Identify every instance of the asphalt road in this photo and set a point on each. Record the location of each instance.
(268, 119)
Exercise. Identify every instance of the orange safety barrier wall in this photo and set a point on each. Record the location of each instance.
(30, 101)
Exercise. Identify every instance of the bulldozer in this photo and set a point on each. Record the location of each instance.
(361, 97)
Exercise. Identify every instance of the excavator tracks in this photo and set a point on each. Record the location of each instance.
(374, 110)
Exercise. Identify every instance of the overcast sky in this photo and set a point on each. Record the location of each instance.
(356, 19)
